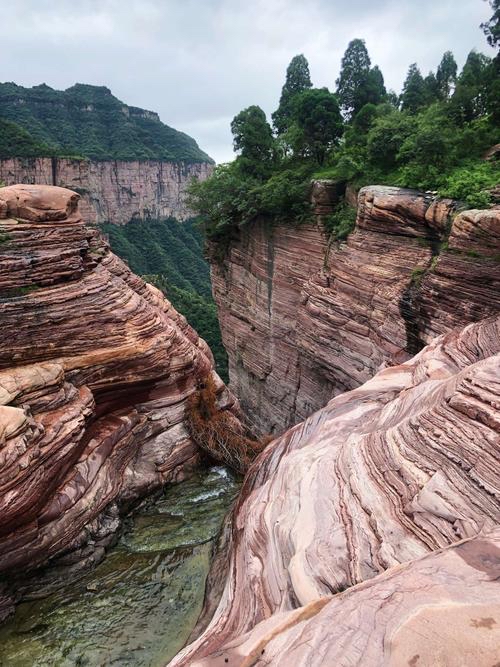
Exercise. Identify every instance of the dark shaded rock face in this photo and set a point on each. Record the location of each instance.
(95, 369)
(303, 322)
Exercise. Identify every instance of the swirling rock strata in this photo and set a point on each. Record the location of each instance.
(114, 191)
(405, 465)
(95, 370)
(303, 321)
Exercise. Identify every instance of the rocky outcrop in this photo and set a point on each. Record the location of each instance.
(303, 320)
(357, 497)
(95, 371)
(115, 191)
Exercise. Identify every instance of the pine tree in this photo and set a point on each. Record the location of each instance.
(253, 139)
(358, 84)
(446, 75)
(431, 88)
(319, 122)
(414, 93)
(470, 99)
(297, 80)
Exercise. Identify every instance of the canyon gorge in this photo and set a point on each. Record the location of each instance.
(94, 378)
(376, 363)
(250, 397)
(304, 319)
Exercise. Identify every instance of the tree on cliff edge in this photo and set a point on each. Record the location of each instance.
(297, 80)
(318, 123)
(414, 92)
(358, 84)
(253, 139)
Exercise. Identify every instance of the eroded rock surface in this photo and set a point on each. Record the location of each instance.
(114, 191)
(405, 465)
(95, 369)
(303, 322)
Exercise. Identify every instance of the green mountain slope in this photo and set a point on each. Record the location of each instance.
(86, 121)
(169, 254)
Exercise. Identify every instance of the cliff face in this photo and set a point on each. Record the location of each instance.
(95, 371)
(357, 497)
(114, 191)
(303, 322)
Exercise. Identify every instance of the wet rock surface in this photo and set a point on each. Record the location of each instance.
(139, 605)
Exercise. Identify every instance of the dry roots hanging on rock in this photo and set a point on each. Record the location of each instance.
(218, 432)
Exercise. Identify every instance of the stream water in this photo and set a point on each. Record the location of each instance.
(138, 607)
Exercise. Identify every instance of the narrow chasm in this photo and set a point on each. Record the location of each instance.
(409, 303)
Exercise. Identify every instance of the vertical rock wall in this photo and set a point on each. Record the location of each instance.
(114, 191)
(303, 321)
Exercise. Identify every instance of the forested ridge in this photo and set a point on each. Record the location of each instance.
(85, 122)
(434, 135)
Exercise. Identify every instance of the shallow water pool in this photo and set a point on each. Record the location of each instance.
(140, 604)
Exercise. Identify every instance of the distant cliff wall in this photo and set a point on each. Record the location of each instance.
(115, 191)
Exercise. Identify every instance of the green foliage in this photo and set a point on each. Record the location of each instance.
(223, 200)
(319, 122)
(170, 254)
(253, 139)
(470, 99)
(15, 141)
(169, 247)
(85, 121)
(358, 84)
(491, 28)
(297, 80)
(432, 137)
(227, 199)
(470, 183)
(386, 137)
(414, 93)
(446, 75)
(201, 313)
(341, 222)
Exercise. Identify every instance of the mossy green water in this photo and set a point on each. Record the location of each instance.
(140, 604)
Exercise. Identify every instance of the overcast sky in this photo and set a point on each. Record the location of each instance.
(198, 62)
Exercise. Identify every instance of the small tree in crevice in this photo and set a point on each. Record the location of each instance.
(218, 432)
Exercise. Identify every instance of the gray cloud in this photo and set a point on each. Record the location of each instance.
(198, 62)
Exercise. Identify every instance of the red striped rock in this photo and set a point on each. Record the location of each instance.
(95, 369)
(443, 609)
(303, 322)
(405, 465)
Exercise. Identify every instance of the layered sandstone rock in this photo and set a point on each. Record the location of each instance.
(405, 465)
(95, 369)
(303, 320)
(114, 191)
